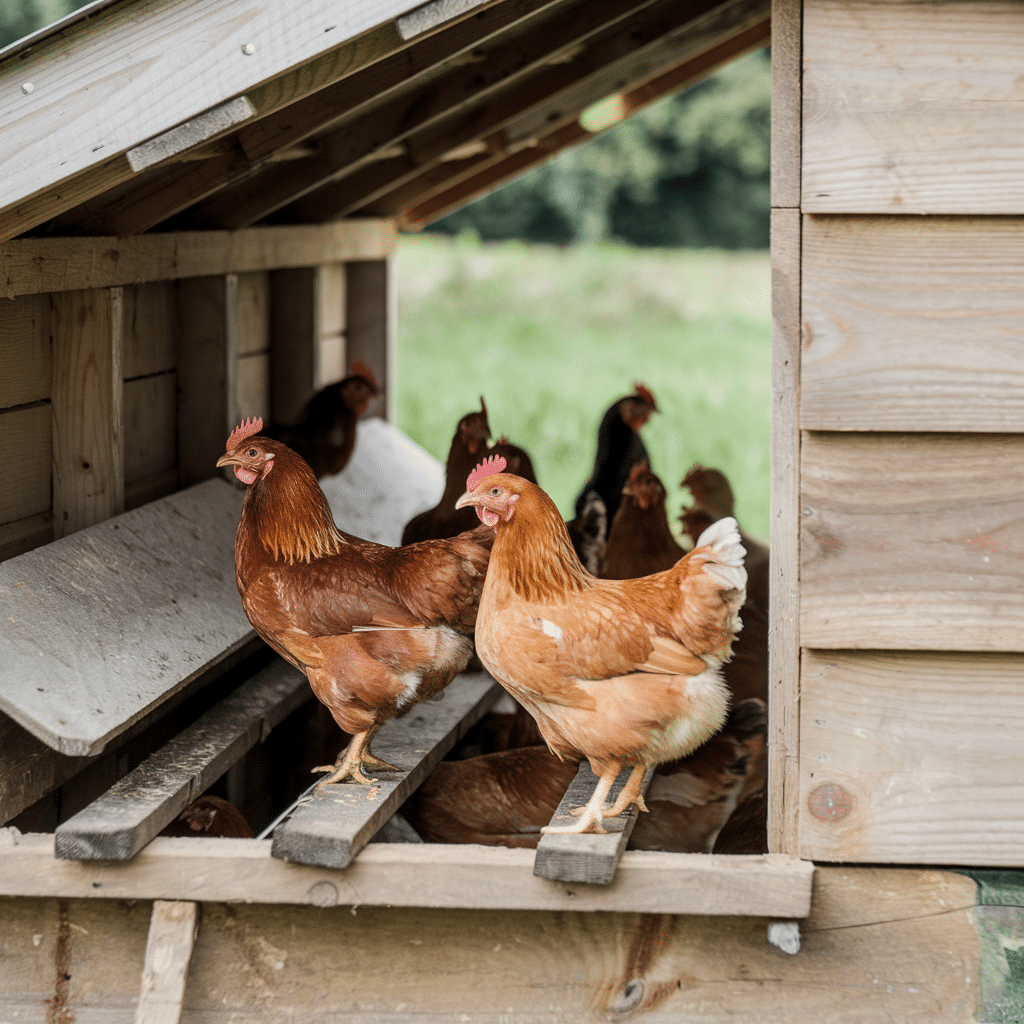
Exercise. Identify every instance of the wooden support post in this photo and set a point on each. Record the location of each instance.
(87, 403)
(207, 368)
(586, 858)
(172, 934)
(370, 323)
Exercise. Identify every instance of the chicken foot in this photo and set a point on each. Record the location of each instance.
(590, 816)
(632, 793)
(350, 765)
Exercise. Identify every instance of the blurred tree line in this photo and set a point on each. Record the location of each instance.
(690, 170)
(21, 17)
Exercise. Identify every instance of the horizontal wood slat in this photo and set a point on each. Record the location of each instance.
(33, 265)
(149, 329)
(912, 541)
(150, 426)
(24, 350)
(913, 323)
(26, 462)
(913, 106)
(912, 757)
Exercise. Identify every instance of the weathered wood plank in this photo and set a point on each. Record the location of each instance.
(912, 757)
(25, 534)
(332, 826)
(913, 107)
(150, 329)
(784, 588)
(294, 340)
(253, 387)
(122, 821)
(161, 581)
(787, 68)
(24, 350)
(934, 563)
(172, 934)
(26, 447)
(333, 314)
(150, 426)
(912, 323)
(150, 487)
(370, 323)
(586, 858)
(410, 875)
(253, 312)
(34, 265)
(87, 406)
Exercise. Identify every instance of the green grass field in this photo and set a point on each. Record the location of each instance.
(551, 337)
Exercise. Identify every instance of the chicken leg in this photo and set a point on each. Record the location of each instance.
(350, 765)
(590, 816)
(632, 793)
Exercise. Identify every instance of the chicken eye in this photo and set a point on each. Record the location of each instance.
(252, 453)
(495, 491)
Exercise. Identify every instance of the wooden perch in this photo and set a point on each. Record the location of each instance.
(336, 822)
(118, 824)
(586, 857)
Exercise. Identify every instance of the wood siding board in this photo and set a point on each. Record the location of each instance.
(168, 603)
(253, 387)
(787, 33)
(913, 323)
(134, 810)
(149, 329)
(149, 488)
(784, 618)
(331, 827)
(25, 534)
(253, 313)
(87, 407)
(912, 541)
(913, 107)
(35, 265)
(912, 757)
(295, 335)
(150, 427)
(24, 350)
(26, 443)
(370, 326)
(172, 935)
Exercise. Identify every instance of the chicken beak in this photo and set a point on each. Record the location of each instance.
(469, 498)
(227, 459)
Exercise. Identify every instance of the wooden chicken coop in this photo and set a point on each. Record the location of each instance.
(198, 203)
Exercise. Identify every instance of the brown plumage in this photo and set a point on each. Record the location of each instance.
(325, 433)
(622, 672)
(640, 541)
(468, 447)
(375, 629)
(747, 673)
(498, 799)
(210, 816)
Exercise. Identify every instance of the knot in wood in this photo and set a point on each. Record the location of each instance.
(830, 802)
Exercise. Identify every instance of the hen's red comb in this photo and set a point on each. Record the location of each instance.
(644, 392)
(495, 464)
(360, 369)
(245, 429)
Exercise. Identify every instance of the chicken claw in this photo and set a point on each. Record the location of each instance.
(350, 766)
(590, 816)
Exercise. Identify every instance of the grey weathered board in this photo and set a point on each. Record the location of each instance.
(588, 857)
(118, 824)
(336, 822)
(103, 625)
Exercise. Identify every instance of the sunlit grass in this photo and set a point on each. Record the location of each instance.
(551, 337)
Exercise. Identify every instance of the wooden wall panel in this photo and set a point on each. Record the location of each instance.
(912, 541)
(254, 386)
(787, 16)
(911, 757)
(369, 330)
(24, 350)
(295, 333)
(253, 312)
(87, 406)
(26, 446)
(150, 422)
(149, 329)
(331, 366)
(913, 106)
(913, 323)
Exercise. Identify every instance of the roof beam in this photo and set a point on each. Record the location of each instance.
(434, 202)
(666, 38)
(534, 56)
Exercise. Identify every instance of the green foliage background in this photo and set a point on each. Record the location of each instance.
(21, 17)
(691, 170)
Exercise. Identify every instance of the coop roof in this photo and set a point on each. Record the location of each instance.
(134, 115)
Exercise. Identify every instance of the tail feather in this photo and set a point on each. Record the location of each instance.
(726, 565)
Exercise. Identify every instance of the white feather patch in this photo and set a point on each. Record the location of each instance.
(548, 628)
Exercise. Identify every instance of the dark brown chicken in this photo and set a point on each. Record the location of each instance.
(640, 541)
(210, 816)
(375, 629)
(325, 433)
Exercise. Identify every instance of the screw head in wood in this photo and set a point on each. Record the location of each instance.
(830, 802)
(249, 49)
(28, 88)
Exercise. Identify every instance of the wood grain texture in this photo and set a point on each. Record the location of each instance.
(294, 340)
(25, 534)
(26, 446)
(122, 821)
(253, 387)
(913, 107)
(34, 265)
(172, 935)
(159, 580)
(87, 406)
(787, 68)
(24, 350)
(150, 329)
(912, 757)
(150, 427)
(884, 944)
(784, 588)
(586, 858)
(912, 541)
(913, 323)
(411, 875)
(253, 313)
(336, 822)
(176, 53)
(371, 323)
